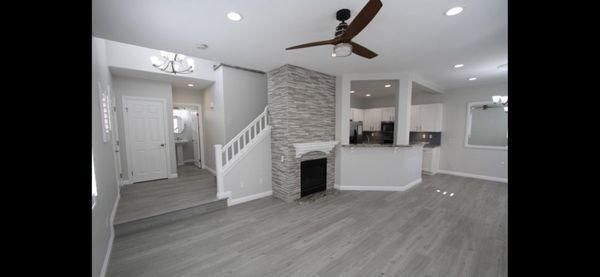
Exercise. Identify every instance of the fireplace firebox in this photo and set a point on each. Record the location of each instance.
(313, 176)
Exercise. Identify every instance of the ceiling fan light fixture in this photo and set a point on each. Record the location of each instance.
(342, 50)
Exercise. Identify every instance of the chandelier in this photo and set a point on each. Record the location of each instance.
(501, 100)
(173, 63)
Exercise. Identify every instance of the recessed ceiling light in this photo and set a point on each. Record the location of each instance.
(454, 11)
(458, 65)
(333, 54)
(201, 46)
(472, 78)
(351, 91)
(387, 85)
(367, 95)
(233, 16)
(190, 85)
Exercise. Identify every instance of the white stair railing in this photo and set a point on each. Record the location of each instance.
(226, 156)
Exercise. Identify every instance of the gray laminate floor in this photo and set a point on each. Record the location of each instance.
(419, 232)
(140, 200)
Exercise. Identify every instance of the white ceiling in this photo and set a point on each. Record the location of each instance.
(375, 88)
(408, 35)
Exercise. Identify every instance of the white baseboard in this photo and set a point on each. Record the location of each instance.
(209, 169)
(224, 195)
(240, 200)
(482, 177)
(112, 236)
(126, 182)
(172, 175)
(382, 188)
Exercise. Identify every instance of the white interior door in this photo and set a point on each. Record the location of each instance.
(196, 138)
(146, 139)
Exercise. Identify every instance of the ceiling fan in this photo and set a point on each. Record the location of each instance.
(344, 33)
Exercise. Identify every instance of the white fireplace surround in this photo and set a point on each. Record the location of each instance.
(323, 146)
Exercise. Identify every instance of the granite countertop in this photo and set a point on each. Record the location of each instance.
(373, 145)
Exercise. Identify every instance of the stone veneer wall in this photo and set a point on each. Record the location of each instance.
(302, 109)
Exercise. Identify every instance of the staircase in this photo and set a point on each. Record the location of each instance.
(226, 157)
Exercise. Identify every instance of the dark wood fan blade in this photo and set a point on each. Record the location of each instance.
(317, 43)
(362, 19)
(362, 51)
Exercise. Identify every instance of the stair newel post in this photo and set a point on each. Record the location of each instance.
(219, 171)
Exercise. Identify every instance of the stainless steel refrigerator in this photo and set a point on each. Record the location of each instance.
(356, 132)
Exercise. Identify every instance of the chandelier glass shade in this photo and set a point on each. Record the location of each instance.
(173, 63)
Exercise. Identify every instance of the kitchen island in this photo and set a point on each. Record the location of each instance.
(380, 167)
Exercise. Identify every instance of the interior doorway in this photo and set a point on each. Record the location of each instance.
(187, 126)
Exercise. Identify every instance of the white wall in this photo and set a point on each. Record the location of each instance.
(144, 88)
(250, 178)
(104, 164)
(213, 118)
(455, 156)
(245, 98)
(380, 168)
(189, 96)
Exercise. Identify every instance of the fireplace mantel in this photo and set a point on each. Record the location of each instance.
(323, 146)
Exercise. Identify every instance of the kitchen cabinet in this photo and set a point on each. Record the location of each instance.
(358, 115)
(372, 120)
(388, 114)
(426, 118)
(431, 160)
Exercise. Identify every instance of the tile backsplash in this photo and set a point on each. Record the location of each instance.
(432, 138)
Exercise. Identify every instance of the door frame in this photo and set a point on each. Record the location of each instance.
(115, 135)
(200, 129)
(127, 138)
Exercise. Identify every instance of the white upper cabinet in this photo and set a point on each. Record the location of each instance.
(415, 118)
(358, 115)
(388, 114)
(372, 120)
(426, 118)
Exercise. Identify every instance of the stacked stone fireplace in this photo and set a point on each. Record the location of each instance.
(302, 114)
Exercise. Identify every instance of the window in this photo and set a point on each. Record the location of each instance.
(104, 99)
(94, 189)
(487, 126)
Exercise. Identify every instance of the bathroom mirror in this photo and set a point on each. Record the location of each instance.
(487, 126)
(178, 125)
